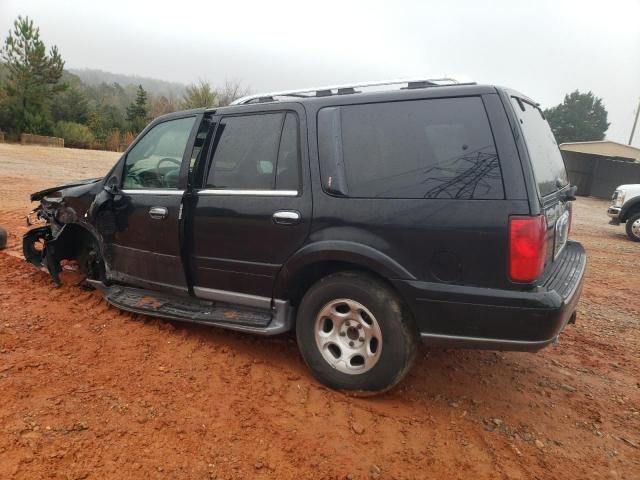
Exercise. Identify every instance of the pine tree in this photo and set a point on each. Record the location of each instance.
(137, 113)
(32, 77)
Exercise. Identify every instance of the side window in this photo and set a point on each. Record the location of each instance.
(246, 152)
(546, 160)
(287, 169)
(440, 148)
(154, 162)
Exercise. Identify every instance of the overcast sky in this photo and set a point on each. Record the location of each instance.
(542, 48)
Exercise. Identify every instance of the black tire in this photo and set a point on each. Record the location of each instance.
(629, 227)
(3, 238)
(399, 335)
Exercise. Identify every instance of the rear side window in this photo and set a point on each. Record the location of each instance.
(256, 152)
(546, 160)
(246, 152)
(440, 148)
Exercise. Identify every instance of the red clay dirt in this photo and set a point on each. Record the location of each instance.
(87, 391)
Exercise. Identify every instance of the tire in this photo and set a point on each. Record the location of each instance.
(355, 307)
(633, 227)
(3, 238)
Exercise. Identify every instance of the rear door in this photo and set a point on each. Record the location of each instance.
(252, 208)
(550, 175)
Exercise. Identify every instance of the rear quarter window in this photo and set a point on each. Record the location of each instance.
(546, 160)
(438, 148)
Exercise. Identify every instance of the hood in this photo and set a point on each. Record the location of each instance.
(42, 193)
(629, 186)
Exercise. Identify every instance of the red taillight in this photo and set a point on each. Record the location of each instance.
(527, 247)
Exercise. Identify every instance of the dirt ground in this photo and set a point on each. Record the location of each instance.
(89, 392)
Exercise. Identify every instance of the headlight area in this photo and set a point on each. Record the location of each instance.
(618, 198)
(51, 211)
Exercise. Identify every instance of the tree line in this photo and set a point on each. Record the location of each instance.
(38, 96)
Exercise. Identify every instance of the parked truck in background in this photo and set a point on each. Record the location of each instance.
(625, 208)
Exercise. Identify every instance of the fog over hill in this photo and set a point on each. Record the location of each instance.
(152, 85)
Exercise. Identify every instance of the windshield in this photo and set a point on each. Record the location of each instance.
(546, 160)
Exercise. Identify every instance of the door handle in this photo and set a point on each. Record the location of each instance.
(286, 217)
(158, 213)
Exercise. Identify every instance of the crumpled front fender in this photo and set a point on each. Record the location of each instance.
(46, 257)
(29, 241)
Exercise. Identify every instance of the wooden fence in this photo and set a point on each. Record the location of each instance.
(28, 139)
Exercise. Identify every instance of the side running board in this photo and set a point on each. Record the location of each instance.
(226, 315)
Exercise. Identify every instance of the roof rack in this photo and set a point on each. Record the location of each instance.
(350, 89)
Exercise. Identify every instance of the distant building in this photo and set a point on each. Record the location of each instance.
(604, 148)
(597, 168)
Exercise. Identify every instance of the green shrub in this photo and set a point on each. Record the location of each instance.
(74, 134)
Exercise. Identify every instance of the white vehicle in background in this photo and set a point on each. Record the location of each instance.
(625, 208)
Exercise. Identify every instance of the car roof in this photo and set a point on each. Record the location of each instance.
(316, 102)
(367, 97)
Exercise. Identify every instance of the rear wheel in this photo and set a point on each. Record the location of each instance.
(354, 333)
(633, 227)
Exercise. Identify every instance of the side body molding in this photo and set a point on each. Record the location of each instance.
(338, 251)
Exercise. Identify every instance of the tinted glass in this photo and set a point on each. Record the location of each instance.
(288, 155)
(154, 162)
(546, 160)
(441, 148)
(205, 130)
(246, 152)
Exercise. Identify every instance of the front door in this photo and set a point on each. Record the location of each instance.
(145, 250)
(252, 209)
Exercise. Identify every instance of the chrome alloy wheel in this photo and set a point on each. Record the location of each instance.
(348, 336)
(635, 228)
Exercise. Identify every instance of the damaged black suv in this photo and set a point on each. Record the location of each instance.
(365, 217)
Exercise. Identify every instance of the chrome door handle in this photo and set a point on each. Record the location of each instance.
(158, 213)
(286, 217)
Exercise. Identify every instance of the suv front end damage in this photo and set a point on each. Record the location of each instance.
(60, 235)
(41, 245)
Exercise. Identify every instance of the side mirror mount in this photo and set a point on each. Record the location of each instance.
(113, 188)
(109, 194)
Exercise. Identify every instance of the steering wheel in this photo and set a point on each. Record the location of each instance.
(166, 159)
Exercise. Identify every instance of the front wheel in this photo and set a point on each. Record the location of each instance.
(354, 333)
(633, 227)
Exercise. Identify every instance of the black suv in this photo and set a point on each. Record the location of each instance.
(365, 220)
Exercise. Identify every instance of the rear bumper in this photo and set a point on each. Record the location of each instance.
(472, 317)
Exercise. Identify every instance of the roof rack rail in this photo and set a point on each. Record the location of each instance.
(349, 89)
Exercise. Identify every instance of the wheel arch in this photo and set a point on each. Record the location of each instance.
(78, 234)
(76, 240)
(629, 208)
(317, 260)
